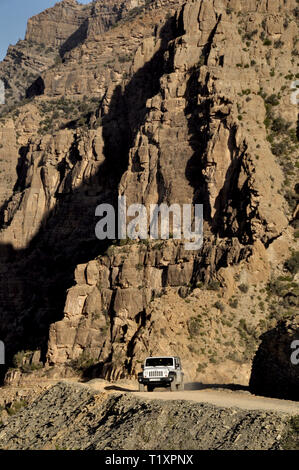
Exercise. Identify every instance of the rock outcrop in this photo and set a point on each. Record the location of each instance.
(75, 417)
(274, 372)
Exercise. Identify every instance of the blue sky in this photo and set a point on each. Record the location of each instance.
(13, 19)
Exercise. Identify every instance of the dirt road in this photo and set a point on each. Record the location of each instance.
(220, 397)
(227, 399)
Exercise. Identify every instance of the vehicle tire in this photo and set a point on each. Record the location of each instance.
(173, 386)
(141, 387)
(150, 388)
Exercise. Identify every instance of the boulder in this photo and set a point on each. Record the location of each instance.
(275, 368)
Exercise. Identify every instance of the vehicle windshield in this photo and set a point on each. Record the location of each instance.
(159, 361)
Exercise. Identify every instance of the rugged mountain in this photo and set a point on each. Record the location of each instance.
(177, 102)
(50, 35)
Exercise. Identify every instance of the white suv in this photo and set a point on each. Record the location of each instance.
(161, 371)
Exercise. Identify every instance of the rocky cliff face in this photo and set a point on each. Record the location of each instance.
(178, 102)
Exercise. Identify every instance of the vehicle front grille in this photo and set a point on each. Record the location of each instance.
(155, 373)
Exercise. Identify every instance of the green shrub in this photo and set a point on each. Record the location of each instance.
(219, 306)
(194, 326)
(243, 288)
(201, 367)
(249, 36)
(272, 100)
(21, 361)
(292, 264)
(214, 285)
(83, 362)
(267, 42)
(280, 125)
(293, 135)
(16, 407)
(279, 148)
(18, 359)
(213, 360)
(276, 287)
(233, 303)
